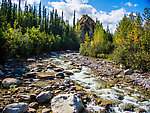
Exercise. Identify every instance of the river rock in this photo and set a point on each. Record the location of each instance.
(68, 73)
(10, 81)
(59, 75)
(47, 88)
(45, 76)
(31, 75)
(140, 110)
(46, 110)
(31, 60)
(16, 108)
(128, 72)
(31, 110)
(33, 105)
(25, 97)
(33, 96)
(58, 69)
(51, 66)
(67, 103)
(44, 97)
(106, 104)
(122, 66)
(76, 70)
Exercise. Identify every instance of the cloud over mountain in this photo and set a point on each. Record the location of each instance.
(81, 7)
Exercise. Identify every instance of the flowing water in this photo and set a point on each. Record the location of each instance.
(121, 96)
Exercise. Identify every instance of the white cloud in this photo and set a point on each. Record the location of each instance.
(46, 7)
(135, 5)
(85, 1)
(115, 6)
(128, 4)
(68, 6)
(112, 18)
(49, 2)
(28, 1)
(33, 1)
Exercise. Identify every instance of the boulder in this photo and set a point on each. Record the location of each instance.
(16, 108)
(44, 97)
(10, 81)
(128, 72)
(59, 75)
(67, 103)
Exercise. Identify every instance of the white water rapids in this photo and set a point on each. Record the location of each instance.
(88, 80)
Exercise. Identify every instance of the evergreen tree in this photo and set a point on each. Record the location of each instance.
(9, 11)
(74, 18)
(39, 14)
(34, 17)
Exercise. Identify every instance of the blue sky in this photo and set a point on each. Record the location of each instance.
(109, 12)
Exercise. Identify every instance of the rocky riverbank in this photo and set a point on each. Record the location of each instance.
(45, 85)
(109, 68)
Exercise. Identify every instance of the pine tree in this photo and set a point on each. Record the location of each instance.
(39, 14)
(14, 14)
(74, 18)
(34, 17)
(62, 17)
(9, 11)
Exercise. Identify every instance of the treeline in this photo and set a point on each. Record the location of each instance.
(130, 45)
(32, 31)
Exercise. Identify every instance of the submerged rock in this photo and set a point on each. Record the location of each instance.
(67, 103)
(16, 108)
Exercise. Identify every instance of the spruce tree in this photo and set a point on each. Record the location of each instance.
(39, 22)
(74, 18)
